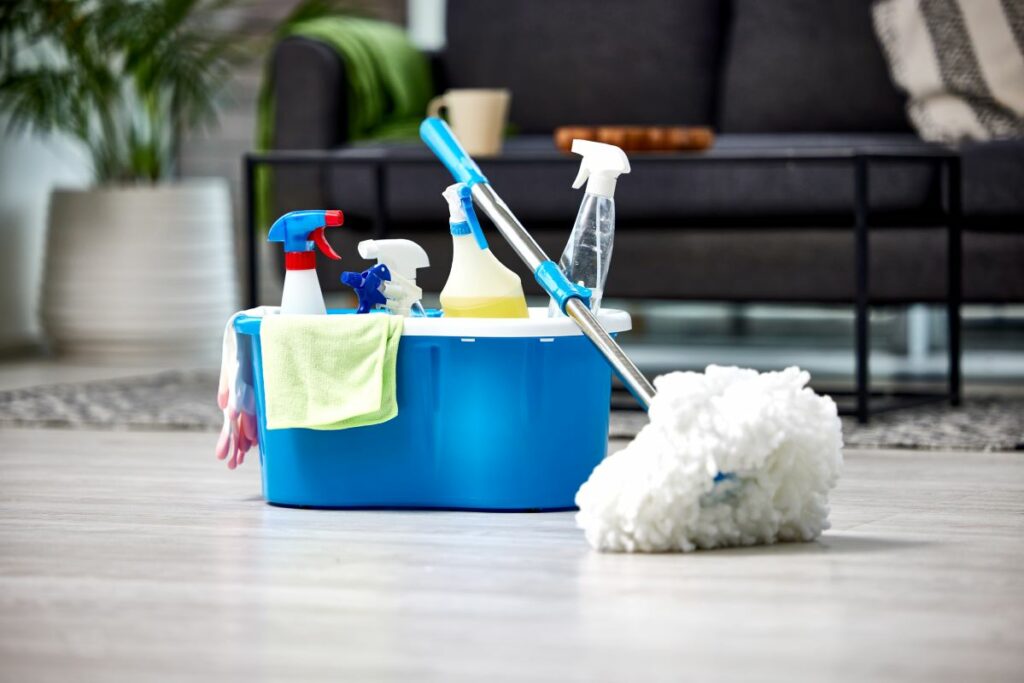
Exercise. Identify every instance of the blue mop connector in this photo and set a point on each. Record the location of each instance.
(369, 286)
(462, 217)
(300, 230)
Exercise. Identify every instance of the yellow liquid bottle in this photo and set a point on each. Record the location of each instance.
(479, 285)
(476, 307)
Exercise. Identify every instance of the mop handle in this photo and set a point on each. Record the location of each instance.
(440, 139)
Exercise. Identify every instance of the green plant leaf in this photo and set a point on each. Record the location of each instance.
(126, 77)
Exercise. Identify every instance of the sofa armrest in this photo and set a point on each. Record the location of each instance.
(310, 89)
(310, 111)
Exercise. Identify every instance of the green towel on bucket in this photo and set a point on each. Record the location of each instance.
(329, 371)
(389, 86)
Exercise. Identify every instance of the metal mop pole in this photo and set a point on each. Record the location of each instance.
(533, 256)
(443, 143)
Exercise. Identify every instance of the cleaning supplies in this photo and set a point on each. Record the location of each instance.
(779, 442)
(369, 287)
(402, 259)
(300, 231)
(479, 285)
(730, 458)
(484, 420)
(329, 372)
(573, 300)
(588, 253)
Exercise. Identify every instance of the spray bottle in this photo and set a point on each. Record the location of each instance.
(479, 286)
(589, 250)
(300, 231)
(390, 284)
(402, 258)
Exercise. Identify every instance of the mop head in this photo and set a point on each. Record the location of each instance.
(730, 457)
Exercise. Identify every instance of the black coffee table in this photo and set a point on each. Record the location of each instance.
(865, 402)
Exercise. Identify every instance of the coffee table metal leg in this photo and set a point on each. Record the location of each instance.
(952, 209)
(861, 284)
(249, 228)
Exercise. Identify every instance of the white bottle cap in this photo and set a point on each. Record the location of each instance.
(456, 214)
(601, 166)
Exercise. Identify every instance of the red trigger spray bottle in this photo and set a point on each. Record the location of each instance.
(300, 231)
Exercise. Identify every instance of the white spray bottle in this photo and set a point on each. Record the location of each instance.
(588, 252)
(402, 258)
(300, 231)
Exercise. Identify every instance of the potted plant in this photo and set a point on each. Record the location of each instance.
(141, 262)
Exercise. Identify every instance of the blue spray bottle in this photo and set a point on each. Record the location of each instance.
(300, 231)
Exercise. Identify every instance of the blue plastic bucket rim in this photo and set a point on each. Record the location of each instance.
(538, 325)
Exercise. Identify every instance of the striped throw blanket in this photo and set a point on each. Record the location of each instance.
(961, 63)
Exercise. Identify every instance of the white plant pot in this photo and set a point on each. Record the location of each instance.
(140, 272)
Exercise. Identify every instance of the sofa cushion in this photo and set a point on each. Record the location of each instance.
(806, 66)
(589, 61)
(535, 179)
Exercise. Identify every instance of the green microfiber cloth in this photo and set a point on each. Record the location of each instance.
(330, 371)
(389, 86)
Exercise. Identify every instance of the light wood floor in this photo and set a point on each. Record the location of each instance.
(136, 556)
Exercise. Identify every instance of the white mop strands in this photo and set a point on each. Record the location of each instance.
(774, 445)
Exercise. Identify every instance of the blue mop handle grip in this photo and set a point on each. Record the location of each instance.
(443, 143)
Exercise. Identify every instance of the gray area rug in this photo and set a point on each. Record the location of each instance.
(169, 400)
(187, 401)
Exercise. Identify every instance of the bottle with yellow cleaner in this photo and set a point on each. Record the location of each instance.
(479, 285)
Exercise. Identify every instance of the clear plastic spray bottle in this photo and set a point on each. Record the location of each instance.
(588, 252)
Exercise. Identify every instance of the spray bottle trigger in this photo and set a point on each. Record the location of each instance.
(581, 177)
(321, 242)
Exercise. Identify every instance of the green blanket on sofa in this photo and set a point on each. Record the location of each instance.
(389, 86)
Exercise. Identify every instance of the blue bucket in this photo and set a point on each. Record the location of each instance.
(493, 414)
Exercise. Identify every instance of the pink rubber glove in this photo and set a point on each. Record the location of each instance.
(236, 397)
(239, 432)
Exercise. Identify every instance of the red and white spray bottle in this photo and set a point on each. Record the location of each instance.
(300, 231)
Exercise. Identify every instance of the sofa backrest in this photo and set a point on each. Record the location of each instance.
(738, 65)
(806, 66)
(589, 61)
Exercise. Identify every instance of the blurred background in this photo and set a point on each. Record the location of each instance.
(127, 281)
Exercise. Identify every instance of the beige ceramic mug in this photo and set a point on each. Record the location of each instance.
(478, 117)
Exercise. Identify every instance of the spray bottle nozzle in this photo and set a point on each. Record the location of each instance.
(301, 230)
(369, 286)
(333, 218)
(461, 215)
(602, 164)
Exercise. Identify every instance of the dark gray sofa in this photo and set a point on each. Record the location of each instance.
(786, 74)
